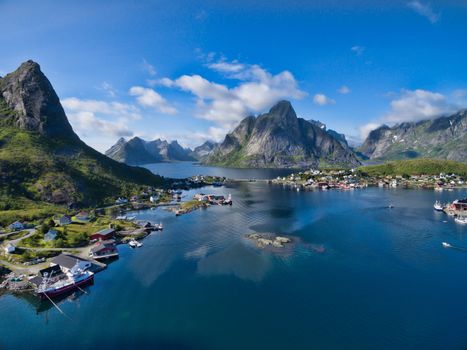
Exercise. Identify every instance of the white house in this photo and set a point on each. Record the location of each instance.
(10, 248)
(50, 236)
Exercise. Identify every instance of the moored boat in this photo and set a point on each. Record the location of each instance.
(461, 220)
(438, 206)
(135, 244)
(74, 279)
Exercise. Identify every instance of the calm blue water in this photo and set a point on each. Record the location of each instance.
(181, 170)
(359, 276)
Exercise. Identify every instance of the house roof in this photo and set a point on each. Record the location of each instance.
(105, 232)
(67, 261)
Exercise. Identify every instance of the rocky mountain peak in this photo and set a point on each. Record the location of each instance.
(36, 106)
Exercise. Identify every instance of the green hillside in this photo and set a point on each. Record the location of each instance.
(416, 167)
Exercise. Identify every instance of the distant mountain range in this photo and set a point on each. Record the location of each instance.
(440, 138)
(279, 139)
(138, 151)
(42, 159)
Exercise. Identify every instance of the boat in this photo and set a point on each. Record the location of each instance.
(437, 206)
(391, 206)
(74, 279)
(446, 245)
(135, 244)
(438, 188)
(461, 220)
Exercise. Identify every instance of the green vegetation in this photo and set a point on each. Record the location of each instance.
(38, 172)
(420, 166)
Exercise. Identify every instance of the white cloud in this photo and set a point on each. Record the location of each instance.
(323, 100)
(149, 98)
(149, 68)
(358, 50)
(108, 88)
(100, 122)
(258, 90)
(344, 90)
(424, 10)
(118, 109)
(417, 105)
(413, 105)
(85, 122)
(229, 67)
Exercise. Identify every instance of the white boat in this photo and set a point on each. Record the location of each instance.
(446, 245)
(135, 244)
(461, 220)
(437, 206)
(438, 188)
(391, 206)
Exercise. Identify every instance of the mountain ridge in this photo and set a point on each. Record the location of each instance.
(279, 139)
(444, 137)
(137, 151)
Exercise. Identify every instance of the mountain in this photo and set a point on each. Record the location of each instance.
(203, 151)
(279, 139)
(441, 138)
(138, 151)
(41, 157)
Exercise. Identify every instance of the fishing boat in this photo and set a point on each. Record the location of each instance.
(135, 244)
(446, 245)
(461, 220)
(437, 206)
(74, 279)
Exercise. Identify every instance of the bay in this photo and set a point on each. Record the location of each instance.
(358, 275)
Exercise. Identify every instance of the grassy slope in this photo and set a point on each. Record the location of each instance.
(35, 170)
(416, 167)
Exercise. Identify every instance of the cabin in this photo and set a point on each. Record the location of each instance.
(103, 235)
(62, 220)
(104, 249)
(51, 235)
(83, 216)
(67, 262)
(10, 248)
(16, 226)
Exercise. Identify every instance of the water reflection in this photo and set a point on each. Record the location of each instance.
(237, 260)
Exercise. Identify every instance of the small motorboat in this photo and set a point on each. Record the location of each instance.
(446, 245)
(437, 206)
(135, 244)
(391, 206)
(461, 220)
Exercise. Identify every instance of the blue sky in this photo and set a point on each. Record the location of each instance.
(191, 70)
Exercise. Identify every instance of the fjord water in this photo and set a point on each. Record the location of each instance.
(358, 276)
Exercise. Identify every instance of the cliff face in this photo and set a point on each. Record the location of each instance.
(442, 138)
(35, 105)
(203, 151)
(42, 159)
(280, 139)
(138, 151)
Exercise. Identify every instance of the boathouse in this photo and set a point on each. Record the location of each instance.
(102, 235)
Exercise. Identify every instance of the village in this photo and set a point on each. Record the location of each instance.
(55, 255)
(354, 179)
